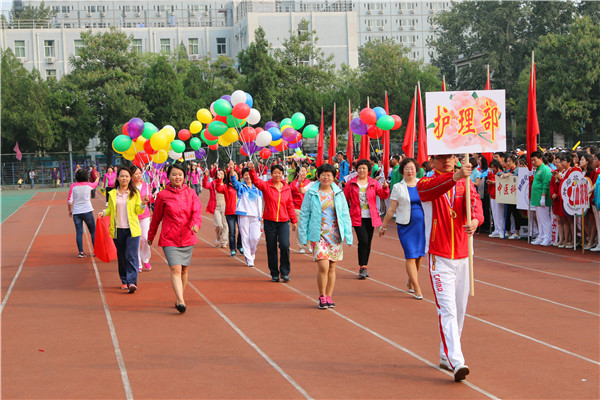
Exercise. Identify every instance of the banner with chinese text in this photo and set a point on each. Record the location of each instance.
(523, 189)
(506, 190)
(466, 122)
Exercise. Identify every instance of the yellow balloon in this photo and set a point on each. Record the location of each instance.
(275, 142)
(159, 140)
(196, 127)
(139, 143)
(128, 155)
(223, 142)
(283, 128)
(170, 134)
(160, 156)
(230, 135)
(203, 115)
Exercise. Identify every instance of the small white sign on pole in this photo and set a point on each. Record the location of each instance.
(189, 155)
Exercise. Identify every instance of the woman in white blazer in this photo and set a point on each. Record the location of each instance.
(410, 221)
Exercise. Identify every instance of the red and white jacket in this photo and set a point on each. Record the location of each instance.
(444, 205)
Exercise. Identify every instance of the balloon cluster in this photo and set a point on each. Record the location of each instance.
(373, 121)
(276, 137)
(142, 141)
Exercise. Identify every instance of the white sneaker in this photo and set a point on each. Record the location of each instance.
(460, 372)
(546, 243)
(513, 236)
(535, 242)
(444, 364)
(301, 251)
(597, 248)
(494, 235)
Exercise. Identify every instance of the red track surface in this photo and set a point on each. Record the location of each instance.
(69, 332)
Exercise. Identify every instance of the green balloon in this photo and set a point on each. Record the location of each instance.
(298, 120)
(208, 142)
(222, 107)
(286, 121)
(310, 131)
(178, 146)
(149, 130)
(385, 122)
(196, 143)
(122, 143)
(217, 128)
(234, 122)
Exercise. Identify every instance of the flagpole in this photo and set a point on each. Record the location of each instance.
(470, 238)
(414, 132)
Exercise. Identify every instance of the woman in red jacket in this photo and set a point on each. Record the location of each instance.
(361, 193)
(279, 210)
(224, 187)
(179, 209)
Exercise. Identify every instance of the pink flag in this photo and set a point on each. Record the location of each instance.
(18, 151)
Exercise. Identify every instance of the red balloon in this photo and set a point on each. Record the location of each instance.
(297, 139)
(397, 122)
(213, 146)
(265, 153)
(184, 134)
(247, 134)
(281, 146)
(374, 132)
(124, 130)
(220, 118)
(368, 116)
(258, 130)
(208, 136)
(240, 110)
(148, 147)
(243, 151)
(141, 159)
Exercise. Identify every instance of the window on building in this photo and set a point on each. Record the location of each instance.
(20, 48)
(77, 45)
(165, 45)
(137, 45)
(221, 46)
(193, 46)
(50, 74)
(49, 48)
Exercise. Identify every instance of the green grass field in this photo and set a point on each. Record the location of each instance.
(11, 200)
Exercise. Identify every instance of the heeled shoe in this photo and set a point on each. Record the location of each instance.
(181, 308)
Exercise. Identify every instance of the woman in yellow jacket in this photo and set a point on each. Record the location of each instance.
(124, 206)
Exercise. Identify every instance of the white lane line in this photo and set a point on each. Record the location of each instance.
(250, 342)
(111, 328)
(385, 339)
(14, 281)
(512, 265)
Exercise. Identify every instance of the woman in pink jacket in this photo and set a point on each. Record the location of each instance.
(179, 209)
(361, 193)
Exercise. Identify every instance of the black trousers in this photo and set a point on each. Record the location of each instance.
(278, 232)
(232, 220)
(364, 233)
(511, 209)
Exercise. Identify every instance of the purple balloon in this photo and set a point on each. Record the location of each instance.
(289, 134)
(271, 124)
(200, 154)
(226, 97)
(135, 127)
(273, 150)
(296, 145)
(358, 127)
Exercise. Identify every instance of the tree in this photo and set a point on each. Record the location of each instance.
(108, 73)
(568, 83)
(31, 16)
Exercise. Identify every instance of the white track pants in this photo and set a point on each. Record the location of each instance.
(250, 232)
(498, 215)
(144, 251)
(544, 222)
(450, 282)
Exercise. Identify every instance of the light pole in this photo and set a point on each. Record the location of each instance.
(70, 147)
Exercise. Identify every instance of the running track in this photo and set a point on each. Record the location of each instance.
(68, 331)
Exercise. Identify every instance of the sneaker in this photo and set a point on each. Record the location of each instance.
(363, 274)
(251, 265)
(132, 288)
(330, 302)
(323, 302)
(241, 251)
(513, 236)
(411, 290)
(546, 243)
(140, 270)
(418, 296)
(217, 243)
(535, 242)
(233, 253)
(124, 286)
(275, 279)
(301, 251)
(494, 235)
(81, 255)
(444, 364)
(460, 373)
(147, 266)
(285, 278)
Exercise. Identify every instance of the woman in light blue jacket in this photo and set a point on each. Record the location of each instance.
(325, 221)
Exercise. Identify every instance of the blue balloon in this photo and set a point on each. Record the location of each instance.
(249, 100)
(275, 133)
(380, 112)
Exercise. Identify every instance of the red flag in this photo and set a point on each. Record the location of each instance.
(409, 137)
(320, 142)
(350, 146)
(332, 140)
(18, 151)
(533, 128)
(443, 83)
(422, 147)
(386, 142)
(365, 144)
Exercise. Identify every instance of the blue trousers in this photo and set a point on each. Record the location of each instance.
(127, 254)
(232, 220)
(79, 219)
